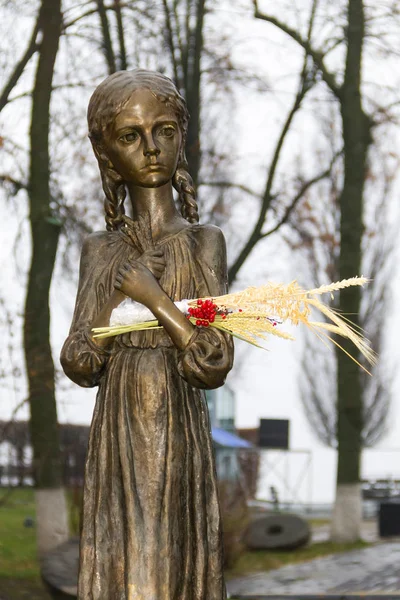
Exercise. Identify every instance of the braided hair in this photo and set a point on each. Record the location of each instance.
(106, 102)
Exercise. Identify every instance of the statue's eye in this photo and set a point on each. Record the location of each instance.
(132, 136)
(168, 131)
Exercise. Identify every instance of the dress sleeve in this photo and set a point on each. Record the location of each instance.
(208, 357)
(81, 358)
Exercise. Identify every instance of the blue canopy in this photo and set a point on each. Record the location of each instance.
(228, 440)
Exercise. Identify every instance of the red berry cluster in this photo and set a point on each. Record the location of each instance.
(204, 312)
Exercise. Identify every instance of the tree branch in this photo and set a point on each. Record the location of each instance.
(20, 66)
(123, 62)
(384, 112)
(18, 185)
(7, 426)
(229, 184)
(185, 55)
(107, 42)
(182, 48)
(171, 44)
(317, 56)
(115, 6)
(304, 188)
(305, 84)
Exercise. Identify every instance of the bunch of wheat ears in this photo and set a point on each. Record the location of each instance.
(256, 312)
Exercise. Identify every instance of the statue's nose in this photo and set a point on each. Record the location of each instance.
(152, 151)
(150, 148)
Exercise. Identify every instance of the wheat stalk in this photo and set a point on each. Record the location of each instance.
(339, 285)
(247, 315)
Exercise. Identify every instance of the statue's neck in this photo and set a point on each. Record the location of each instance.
(158, 205)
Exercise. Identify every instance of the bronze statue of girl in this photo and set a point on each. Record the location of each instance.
(151, 526)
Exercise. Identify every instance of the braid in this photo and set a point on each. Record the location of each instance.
(114, 201)
(183, 184)
(114, 189)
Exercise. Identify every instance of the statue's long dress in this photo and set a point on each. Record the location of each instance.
(151, 520)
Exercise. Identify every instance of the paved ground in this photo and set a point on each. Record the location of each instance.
(374, 570)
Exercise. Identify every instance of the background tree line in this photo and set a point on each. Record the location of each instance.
(331, 208)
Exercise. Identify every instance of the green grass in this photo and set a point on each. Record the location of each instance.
(318, 522)
(263, 560)
(23, 589)
(17, 543)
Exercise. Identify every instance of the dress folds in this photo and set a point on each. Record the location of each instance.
(151, 527)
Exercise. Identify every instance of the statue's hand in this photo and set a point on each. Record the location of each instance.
(136, 281)
(154, 261)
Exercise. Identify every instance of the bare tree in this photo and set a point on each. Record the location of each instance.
(45, 230)
(319, 245)
(184, 39)
(357, 125)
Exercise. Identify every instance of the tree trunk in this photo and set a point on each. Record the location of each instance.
(107, 41)
(20, 450)
(123, 61)
(193, 99)
(185, 53)
(45, 230)
(346, 521)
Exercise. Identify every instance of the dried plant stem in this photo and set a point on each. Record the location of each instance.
(249, 315)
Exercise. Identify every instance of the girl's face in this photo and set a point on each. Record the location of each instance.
(144, 140)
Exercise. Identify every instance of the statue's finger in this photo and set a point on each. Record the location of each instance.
(158, 261)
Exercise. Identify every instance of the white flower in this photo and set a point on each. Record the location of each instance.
(130, 312)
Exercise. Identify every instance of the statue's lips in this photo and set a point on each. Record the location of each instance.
(153, 167)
